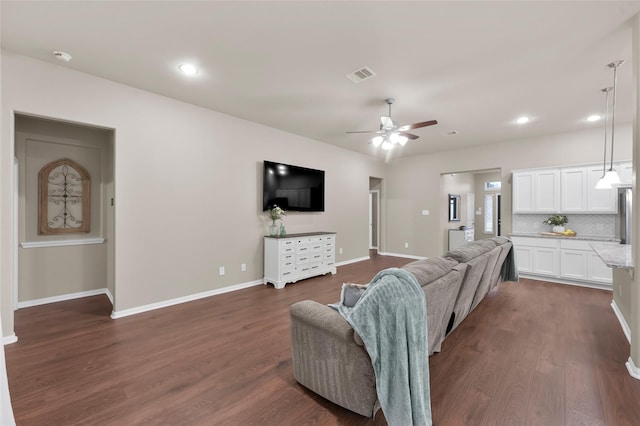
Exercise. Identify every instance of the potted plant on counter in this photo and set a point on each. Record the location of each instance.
(557, 223)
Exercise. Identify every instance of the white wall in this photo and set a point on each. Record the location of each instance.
(187, 183)
(6, 411)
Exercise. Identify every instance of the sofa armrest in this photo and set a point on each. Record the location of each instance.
(327, 360)
(314, 314)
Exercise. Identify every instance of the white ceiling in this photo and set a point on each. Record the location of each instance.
(473, 66)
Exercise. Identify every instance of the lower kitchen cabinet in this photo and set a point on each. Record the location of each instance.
(563, 259)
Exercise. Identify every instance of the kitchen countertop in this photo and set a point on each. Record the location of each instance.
(614, 255)
(563, 237)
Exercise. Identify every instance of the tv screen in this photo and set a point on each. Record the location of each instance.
(292, 188)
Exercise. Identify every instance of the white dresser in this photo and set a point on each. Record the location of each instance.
(298, 256)
(458, 237)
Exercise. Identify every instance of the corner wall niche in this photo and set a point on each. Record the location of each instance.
(64, 198)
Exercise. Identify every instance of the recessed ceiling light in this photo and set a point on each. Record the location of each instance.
(62, 56)
(594, 117)
(522, 120)
(188, 69)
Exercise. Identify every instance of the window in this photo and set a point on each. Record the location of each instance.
(493, 186)
(63, 203)
(488, 214)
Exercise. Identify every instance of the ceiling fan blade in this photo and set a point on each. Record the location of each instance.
(409, 135)
(362, 131)
(418, 125)
(386, 122)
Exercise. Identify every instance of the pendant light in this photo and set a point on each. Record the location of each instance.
(612, 176)
(602, 182)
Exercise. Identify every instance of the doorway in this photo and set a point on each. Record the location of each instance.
(69, 265)
(480, 196)
(375, 186)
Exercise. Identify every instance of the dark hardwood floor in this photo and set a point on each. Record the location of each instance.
(532, 353)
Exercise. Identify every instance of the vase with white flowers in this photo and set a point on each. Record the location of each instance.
(275, 213)
(557, 223)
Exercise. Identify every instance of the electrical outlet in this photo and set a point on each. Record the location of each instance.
(221, 270)
(425, 212)
(340, 251)
(243, 267)
(406, 245)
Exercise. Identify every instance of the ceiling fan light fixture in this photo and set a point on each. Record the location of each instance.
(386, 145)
(376, 141)
(394, 138)
(188, 69)
(402, 140)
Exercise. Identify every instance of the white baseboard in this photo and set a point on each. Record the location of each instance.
(184, 299)
(7, 340)
(603, 286)
(357, 259)
(408, 256)
(62, 298)
(633, 370)
(109, 295)
(623, 323)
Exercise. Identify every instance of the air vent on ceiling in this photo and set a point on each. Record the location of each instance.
(361, 74)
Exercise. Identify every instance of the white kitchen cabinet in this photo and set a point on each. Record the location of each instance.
(298, 256)
(523, 195)
(597, 270)
(599, 200)
(573, 264)
(573, 192)
(536, 191)
(563, 258)
(547, 191)
(538, 256)
(566, 190)
(524, 258)
(545, 261)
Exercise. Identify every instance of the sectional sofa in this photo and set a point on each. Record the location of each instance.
(329, 358)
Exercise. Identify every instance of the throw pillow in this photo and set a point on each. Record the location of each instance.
(351, 293)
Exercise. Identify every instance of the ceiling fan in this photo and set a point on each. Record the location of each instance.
(391, 133)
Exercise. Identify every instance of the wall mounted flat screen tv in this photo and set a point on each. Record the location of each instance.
(292, 188)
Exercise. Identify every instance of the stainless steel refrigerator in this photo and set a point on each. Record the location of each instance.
(623, 221)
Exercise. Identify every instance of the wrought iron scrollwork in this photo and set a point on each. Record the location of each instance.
(64, 198)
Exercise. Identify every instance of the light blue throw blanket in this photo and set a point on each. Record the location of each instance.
(391, 319)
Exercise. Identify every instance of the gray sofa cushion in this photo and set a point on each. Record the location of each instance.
(470, 251)
(440, 280)
(429, 270)
(485, 281)
(500, 240)
(475, 255)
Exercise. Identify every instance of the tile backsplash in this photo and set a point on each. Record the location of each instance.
(596, 225)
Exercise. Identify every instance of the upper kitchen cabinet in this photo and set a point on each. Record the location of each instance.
(573, 192)
(536, 191)
(599, 200)
(564, 190)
